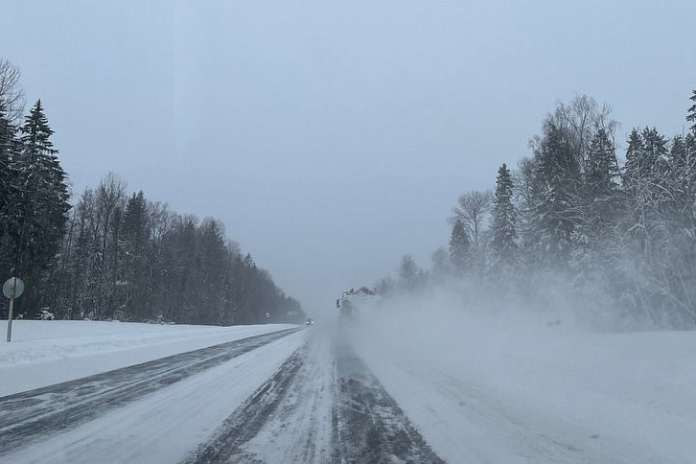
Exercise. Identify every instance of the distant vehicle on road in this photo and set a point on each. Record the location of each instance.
(353, 302)
(309, 322)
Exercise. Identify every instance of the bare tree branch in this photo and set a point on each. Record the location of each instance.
(472, 210)
(11, 94)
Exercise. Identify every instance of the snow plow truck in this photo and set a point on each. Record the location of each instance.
(353, 303)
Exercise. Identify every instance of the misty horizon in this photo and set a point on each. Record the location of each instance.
(333, 141)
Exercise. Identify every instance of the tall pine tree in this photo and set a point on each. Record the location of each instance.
(502, 248)
(634, 156)
(460, 248)
(601, 186)
(136, 275)
(691, 116)
(9, 193)
(44, 198)
(558, 214)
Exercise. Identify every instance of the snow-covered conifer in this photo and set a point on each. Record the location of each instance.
(502, 248)
(460, 248)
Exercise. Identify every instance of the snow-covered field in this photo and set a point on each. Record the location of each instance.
(46, 352)
(510, 390)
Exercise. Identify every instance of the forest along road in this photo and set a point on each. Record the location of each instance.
(292, 396)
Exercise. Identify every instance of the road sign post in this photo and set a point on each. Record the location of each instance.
(12, 288)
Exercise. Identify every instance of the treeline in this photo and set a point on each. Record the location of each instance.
(622, 233)
(127, 258)
(114, 255)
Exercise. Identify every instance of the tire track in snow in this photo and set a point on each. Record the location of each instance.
(247, 420)
(369, 426)
(366, 423)
(34, 414)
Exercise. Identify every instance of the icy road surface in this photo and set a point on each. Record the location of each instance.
(31, 415)
(287, 396)
(322, 405)
(318, 396)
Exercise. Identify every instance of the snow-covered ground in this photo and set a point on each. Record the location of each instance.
(166, 425)
(508, 390)
(300, 430)
(46, 352)
(479, 389)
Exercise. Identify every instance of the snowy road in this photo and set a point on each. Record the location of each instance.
(322, 405)
(37, 414)
(483, 392)
(288, 396)
(313, 396)
(473, 423)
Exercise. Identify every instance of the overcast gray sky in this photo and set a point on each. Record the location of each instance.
(334, 137)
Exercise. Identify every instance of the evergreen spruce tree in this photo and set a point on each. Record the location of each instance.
(681, 179)
(502, 247)
(408, 273)
(692, 112)
(213, 272)
(459, 248)
(558, 215)
(647, 177)
(601, 185)
(9, 193)
(182, 276)
(634, 155)
(602, 166)
(654, 164)
(688, 162)
(135, 235)
(135, 231)
(44, 193)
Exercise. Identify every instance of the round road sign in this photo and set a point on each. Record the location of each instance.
(15, 282)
